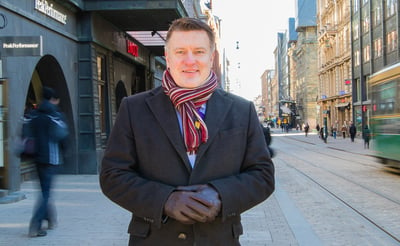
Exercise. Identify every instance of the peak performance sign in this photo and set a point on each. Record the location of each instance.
(47, 8)
(21, 46)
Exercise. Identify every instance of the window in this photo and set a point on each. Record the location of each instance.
(377, 47)
(366, 53)
(376, 16)
(357, 58)
(365, 24)
(356, 32)
(355, 6)
(391, 7)
(391, 41)
(101, 86)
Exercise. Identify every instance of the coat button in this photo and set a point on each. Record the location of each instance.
(182, 236)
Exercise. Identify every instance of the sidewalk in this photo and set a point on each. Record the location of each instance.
(87, 217)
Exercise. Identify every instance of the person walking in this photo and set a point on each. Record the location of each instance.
(187, 158)
(344, 130)
(334, 131)
(352, 131)
(49, 131)
(268, 139)
(366, 136)
(306, 129)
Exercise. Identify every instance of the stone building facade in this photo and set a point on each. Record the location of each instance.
(334, 63)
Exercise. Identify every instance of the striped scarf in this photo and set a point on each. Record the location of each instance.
(188, 102)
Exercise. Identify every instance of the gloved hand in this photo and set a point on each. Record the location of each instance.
(193, 203)
(185, 208)
(208, 196)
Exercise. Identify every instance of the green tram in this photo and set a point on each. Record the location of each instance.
(385, 114)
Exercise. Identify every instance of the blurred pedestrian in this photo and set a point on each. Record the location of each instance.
(268, 140)
(334, 131)
(344, 130)
(352, 131)
(49, 131)
(196, 157)
(306, 129)
(366, 136)
(323, 134)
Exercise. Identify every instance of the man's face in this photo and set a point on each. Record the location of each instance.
(189, 58)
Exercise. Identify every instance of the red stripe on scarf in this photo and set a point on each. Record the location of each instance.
(186, 101)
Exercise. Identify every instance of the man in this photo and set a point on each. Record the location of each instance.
(49, 131)
(187, 158)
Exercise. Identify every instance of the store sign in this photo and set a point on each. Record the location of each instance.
(132, 48)
(21, 46)
(347, 82)
(47, 8)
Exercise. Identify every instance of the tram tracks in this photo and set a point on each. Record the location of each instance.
(309, 168)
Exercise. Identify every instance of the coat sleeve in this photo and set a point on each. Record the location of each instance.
(120, 179)
(255, 182)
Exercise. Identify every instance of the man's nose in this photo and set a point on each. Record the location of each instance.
(190, 57)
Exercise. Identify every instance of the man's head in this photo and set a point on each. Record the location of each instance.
(189, 51)
(50, 95)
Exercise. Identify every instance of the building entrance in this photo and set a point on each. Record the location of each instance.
(49, 73)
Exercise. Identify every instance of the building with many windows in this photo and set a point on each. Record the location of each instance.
(334, 63)
(375, 28)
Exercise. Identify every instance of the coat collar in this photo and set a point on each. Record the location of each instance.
(164, 111)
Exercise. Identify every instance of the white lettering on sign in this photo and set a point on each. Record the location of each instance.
(47, 8)
(20, 46)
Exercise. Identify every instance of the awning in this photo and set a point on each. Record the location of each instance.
(342, 105)
(286, 110)
(147, 21)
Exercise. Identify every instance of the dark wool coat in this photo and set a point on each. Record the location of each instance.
(146, 159)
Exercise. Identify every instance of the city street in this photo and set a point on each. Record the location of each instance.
(327, 194)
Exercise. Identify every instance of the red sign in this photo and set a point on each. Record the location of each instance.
(132, 48)
(347, 82)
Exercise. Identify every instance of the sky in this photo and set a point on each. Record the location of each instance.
(254, 24)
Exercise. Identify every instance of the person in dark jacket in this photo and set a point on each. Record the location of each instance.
(352, 131)
(49, 130)
(366, 137)
(268, 139)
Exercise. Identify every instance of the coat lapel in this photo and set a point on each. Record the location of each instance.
(165, 113)
(217, 108)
